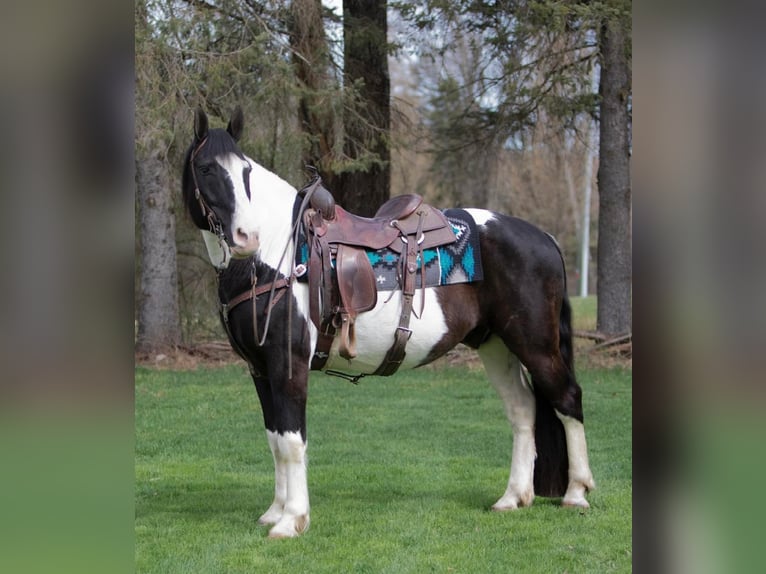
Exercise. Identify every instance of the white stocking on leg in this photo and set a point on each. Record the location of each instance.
(504, 371)
(291, 452)
(580, 476)
(274, 513)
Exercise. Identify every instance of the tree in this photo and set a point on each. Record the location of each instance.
(158, 319)
(345, 121)
(317, 89)
(614, 224)
(462, 163)
(365, 178)
(159, 324)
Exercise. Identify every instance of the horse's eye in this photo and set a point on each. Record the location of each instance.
(204, 169)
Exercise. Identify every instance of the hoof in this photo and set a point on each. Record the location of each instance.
(280, 535)
(513, 501)
(290, 527)
(504, 507)
(270, 517)
(575, 494)
(575, 503)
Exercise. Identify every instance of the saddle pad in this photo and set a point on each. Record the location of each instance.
(458, 262)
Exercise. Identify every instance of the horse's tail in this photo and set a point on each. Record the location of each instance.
(565, 334)
(551, 474)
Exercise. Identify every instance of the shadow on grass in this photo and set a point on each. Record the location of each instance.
(203, 501)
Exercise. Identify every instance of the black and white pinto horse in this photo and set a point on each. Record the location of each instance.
(518, 315)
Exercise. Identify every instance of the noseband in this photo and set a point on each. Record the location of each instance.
(207, 212)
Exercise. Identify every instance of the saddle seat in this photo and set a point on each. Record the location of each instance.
(340, 239)
(399, 217)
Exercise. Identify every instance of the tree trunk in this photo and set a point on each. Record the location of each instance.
(159, 326)
(366, 182)
(311, 61)
(614, 286)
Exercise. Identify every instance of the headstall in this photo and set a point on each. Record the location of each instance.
(207, 212)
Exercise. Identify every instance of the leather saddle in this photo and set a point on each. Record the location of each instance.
(341, 279)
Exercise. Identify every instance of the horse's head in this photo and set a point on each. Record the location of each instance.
(216, 188)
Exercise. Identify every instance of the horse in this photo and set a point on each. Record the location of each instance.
(517, 317)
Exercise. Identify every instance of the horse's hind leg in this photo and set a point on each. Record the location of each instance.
(504, 371)
(580, 477)
(556, 388)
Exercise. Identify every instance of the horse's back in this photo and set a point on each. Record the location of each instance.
(513, 245)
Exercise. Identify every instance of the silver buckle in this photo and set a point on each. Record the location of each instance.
(409, 331)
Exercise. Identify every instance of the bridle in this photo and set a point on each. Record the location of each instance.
(214, 224)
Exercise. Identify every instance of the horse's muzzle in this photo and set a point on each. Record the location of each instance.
(245, 244)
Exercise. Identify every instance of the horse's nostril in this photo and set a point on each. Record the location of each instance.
(247, 240)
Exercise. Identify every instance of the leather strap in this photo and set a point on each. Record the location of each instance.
(395, 355)
(279, 285)
(320, 279)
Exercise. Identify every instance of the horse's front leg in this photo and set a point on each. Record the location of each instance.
(263, 386)
(274, 512)
(291, 457)
(281, 378)
(284, 414)
(288, 443)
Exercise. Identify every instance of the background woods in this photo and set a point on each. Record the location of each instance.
(490, 104)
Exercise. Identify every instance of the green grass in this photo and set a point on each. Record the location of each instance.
(402, 472)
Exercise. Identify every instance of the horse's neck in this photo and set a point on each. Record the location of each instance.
(272, 204)
(237, 277)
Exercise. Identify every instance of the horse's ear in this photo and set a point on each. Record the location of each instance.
(200, 124)
(236, 124)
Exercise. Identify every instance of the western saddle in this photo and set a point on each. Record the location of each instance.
(341, 280)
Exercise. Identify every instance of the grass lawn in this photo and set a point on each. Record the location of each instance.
(402, 472)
